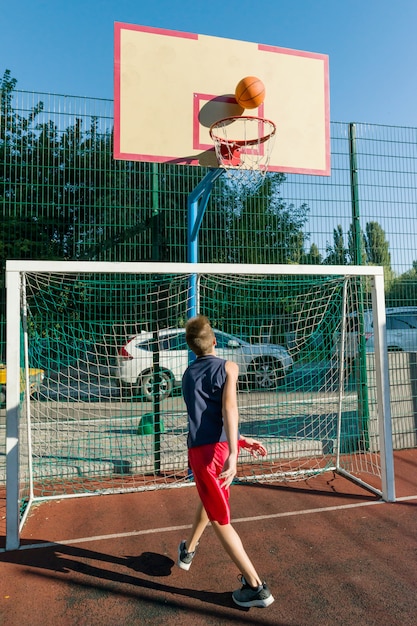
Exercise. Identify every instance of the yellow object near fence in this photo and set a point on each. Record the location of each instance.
(36, 377)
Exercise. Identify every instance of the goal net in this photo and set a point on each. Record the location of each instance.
(96, 353)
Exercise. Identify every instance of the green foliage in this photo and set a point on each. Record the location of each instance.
(352, 244)
(373, 245)
(403, 289)
(338, 253)
(258, 226)
(313, 256)
(376, 245)
(65, 197)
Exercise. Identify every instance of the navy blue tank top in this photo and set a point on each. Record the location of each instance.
(202, 388)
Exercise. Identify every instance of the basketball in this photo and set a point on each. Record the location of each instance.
(250, 92)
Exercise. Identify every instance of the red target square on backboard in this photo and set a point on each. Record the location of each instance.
(209, 108)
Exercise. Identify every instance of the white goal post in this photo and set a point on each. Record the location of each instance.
(95, 355)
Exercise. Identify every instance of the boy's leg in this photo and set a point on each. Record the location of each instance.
(187, 548)
(232, 543)
(253, 591)
(200, 522)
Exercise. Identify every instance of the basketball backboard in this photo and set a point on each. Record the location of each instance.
(171, 86)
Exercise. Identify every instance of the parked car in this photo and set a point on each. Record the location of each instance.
(262, 365)
(401, 331)
(36, 377)
(51, 354)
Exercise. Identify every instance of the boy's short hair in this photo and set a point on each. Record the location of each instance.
(199, 335)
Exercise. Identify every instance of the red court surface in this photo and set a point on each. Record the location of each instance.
(331, 552)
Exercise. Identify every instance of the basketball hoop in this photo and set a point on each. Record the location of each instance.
(251, 145)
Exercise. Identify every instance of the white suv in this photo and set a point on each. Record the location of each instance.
(263, 365)
(401, 331)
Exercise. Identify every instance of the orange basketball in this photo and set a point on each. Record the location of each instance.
(250, 92)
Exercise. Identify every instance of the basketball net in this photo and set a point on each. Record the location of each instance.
(243, 143)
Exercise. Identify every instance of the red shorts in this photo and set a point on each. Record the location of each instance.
(207, 463)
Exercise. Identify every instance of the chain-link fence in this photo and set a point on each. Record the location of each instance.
(64, 197)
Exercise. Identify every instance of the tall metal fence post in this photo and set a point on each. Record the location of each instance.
(363, 402)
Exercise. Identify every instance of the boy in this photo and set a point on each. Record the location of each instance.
(209, 388)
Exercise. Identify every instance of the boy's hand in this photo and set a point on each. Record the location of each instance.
(256, 448)
(229, 471)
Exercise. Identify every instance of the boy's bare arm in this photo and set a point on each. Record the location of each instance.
(231, 422)
(255, 447)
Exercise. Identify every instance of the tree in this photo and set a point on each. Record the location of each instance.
(259, 227)
(352, 244)
(22, 236)
(403, 289)
(63, 196)
(373, 247)
(313, 257)
(376, 245)
(337, 254)
(377, 250)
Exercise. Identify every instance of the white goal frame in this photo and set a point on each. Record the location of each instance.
(16, 269)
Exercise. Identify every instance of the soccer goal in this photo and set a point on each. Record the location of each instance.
(96, 353)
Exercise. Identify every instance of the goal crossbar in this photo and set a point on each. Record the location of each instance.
(190, 268)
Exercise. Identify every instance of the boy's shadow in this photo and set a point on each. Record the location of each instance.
(151, 564)
(63, 559)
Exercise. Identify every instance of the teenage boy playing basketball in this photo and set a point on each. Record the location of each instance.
(209, 387)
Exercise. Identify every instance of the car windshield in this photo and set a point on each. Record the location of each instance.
(401, 322)
(223, 341)
(175, 341)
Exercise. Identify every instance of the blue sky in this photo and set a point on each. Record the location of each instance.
(67, 47)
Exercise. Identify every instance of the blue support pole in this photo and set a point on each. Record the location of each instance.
(197, 204)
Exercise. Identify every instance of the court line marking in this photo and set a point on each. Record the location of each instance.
(151, 531)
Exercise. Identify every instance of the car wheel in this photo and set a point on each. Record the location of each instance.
(147, 384)
(128, 391)
(266, 372)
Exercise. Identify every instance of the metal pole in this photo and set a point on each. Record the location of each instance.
(357, 251)
(382, 383)
(155, 221)
(363, 404)
(156, 387)
(197, 204)
(12, 410)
